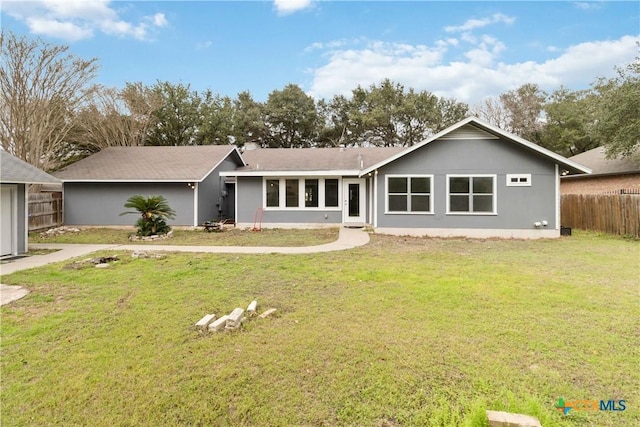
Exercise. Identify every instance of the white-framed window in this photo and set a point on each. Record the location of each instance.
(518, 180)
(471, 194)
(299, 193)
(409, 194)
(272, 193)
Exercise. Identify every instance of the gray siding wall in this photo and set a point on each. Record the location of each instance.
(102, 203)
(230, 201)
(249, 192)
(225, 192)
(209, 198)
(249, 197)
(214, 201)
(517, 207)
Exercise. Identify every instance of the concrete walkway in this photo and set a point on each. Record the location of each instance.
(348, 238)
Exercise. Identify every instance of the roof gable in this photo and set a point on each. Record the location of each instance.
(16, 171)
(150, 163)
(474, 128)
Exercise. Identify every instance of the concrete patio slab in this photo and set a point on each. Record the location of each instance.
(11, 293)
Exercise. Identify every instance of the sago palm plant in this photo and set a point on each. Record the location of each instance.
(154, 211)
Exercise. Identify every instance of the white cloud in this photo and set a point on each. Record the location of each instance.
(74, 20)
(286, 7)
(331, 45)
(64, 30)
(476, 75)
(159, 20)
(377, 60)
(204, 45)
(472, 24)
(588, 5)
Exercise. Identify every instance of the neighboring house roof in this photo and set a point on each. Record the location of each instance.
(16, 171)
(464, 125)
(596, 160)
(149, 164)
(311, 161)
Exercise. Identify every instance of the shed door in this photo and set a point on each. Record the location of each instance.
(7, 221)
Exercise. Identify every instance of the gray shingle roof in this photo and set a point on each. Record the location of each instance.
(16, 171)
(599, 164)
(165, 163)
(314, 159)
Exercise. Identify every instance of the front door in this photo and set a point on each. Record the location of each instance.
(353, 208)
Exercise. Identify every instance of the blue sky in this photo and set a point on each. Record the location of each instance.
(465, 50)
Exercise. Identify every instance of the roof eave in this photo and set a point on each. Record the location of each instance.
(344, 172)
(18, 181)
(62, 180)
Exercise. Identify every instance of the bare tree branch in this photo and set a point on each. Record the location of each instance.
(41, 87)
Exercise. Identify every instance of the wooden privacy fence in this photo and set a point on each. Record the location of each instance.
(45, 210)
(609, 213)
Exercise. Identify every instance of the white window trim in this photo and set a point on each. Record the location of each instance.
(495, 194)
(282, 190)
(386, 194)
(518, 177)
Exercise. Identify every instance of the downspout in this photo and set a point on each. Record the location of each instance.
(558, 197)
(235, 201)
(195, 203)
(26, 219)
(375, 199)
(370, 198)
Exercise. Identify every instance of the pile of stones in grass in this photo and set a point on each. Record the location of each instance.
(136, 238)
(59, 231)
(98, 262)
(233, 320)
(107, 261)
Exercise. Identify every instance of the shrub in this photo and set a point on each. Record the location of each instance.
(154, 211)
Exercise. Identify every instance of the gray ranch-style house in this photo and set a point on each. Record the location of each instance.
(15, 177)
(96, 188)
(472, 179)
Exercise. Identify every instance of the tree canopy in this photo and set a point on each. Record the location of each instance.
(41, 88)
(52, 113)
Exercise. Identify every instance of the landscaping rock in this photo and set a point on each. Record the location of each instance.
(52, 232)
(136, 238)
(506, 419)
(234, 319)
(268, 313)
(144, 254)
(102, 265)
(204, 322)
(218, 324)
(103, 260)
(251, 310)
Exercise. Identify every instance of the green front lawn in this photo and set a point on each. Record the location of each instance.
(403, 331)
(228, 237)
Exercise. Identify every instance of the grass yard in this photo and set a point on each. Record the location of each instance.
(401, 332)
(229, 237)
